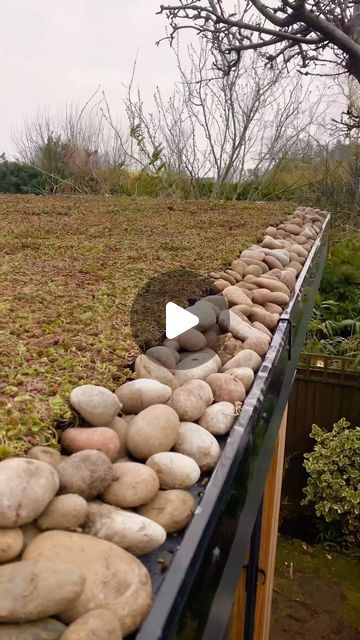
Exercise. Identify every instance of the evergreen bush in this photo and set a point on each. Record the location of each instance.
(333, 485)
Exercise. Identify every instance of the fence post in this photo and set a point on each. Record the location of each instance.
(267, 552)
(269, 533)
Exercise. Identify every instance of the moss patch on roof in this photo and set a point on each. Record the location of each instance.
(70, 269)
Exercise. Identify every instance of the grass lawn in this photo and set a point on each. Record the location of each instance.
(317, 593)
(70, 268)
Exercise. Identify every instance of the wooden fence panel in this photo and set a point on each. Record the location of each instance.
(320, 395)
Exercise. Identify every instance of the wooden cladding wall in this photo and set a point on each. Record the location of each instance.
(320, 395)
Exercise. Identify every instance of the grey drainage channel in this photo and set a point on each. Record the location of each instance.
(195, 574)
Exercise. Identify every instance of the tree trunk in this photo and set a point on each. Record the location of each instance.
(356, 63)
(354, 69)
(353, 66)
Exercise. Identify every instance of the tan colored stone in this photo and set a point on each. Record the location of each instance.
(239, 266)
(64, 512)
(257, 263)
(237, 277)
(261, 296)
(45, 454)
(86, 473)
(114, 579)
(120, 426)
(272, 262)
(97, 405)
(244, 374)
(272, 308)
(235, 295)
(225, 388)
(130, 531)
(259, 314)
(47, 629)
(192, 340)
(102, 439)
(261, 327)
(220, 284)
(99, 624)
(26, 488)
(11, 544)
(175, 470)
(240, 329)
(200, 387)
(257, 345)
(153, 430)
(197, 365)
(146, 367)
(223, 275)
(254, 270)
(172, 509)
(163, 355)
(133, 484)
(212, 336)
(245, 358)
(197, 443)
(217, 300)
(228, 346)
(205, 312)
(188, 404)
(137, 395)
(218, 418)
(254, 254)
(272, 285)
(34, 589)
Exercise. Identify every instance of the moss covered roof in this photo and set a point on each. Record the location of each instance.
(70, 268)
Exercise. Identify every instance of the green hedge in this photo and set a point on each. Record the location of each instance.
(20, 178)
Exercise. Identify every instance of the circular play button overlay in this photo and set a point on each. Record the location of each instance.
(168, 305)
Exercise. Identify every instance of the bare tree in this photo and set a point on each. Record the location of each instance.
(226, 110)
(71, 146)
(217, 128)
(314, 31)
(183, 150)
(203, 138)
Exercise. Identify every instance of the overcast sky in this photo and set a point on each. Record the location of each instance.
(54, 53)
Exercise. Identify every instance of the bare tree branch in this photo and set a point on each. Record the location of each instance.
(308, 26)
(217, 128)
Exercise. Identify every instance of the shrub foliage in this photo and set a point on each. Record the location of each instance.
(16, 177)
(333, 486)
(334, 328)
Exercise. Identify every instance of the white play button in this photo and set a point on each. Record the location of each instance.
(178, 320)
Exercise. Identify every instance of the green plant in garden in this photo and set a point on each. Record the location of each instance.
(334, 328)
(332, 336)
(333, 485)
(16, 177)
